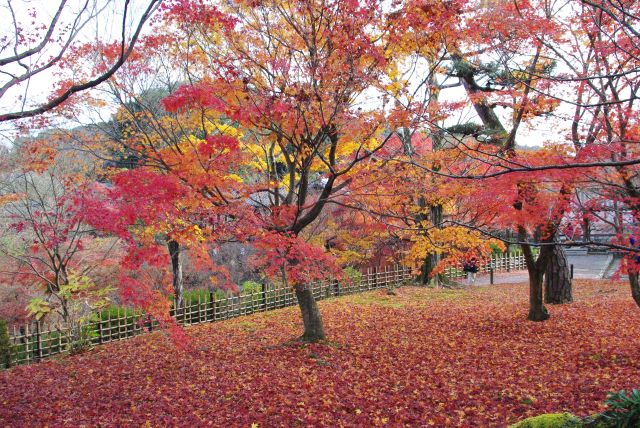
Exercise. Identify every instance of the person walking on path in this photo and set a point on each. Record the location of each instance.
(471, 266)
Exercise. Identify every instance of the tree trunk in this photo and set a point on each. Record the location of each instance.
(428, 265)
(313, 329)
(436, 219)
(586, 230)
(536, 269)
(635, 287)
(557, 283)
(432, 260)
(425, 270)
(537, 311)
(176, 266)
(490, 120)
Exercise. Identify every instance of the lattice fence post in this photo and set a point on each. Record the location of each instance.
(26, 335)
(39, 339)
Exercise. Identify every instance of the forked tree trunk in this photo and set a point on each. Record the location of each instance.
(313, 328)
(536, 269)
(176, 267)
(635, 287)
(537, 310)
(557, 283)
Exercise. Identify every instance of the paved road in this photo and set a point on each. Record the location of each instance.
(590, 266)
(587, 266)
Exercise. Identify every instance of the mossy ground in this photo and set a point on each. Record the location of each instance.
(552, 420)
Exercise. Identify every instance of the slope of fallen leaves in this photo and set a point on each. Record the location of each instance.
(420, 358)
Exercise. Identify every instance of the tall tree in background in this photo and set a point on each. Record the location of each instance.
(596, 52)
(522, 87)
(421, 44)
(141, 133)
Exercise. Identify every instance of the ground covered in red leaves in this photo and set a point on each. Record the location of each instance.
(422, 357)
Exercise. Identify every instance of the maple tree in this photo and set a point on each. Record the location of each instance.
(179, 153)
(141, 203)
(282, 118)
(600, 54)
(529, 204)
(143, 112)
(520, 84)
(47, 250)
(294, 93)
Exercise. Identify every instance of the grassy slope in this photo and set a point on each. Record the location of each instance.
(445, 358)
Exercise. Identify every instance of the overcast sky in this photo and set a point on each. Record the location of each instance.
(106, 26)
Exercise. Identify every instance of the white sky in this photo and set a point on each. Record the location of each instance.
(99, 20)
(107, 26)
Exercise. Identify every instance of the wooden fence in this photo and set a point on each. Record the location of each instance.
(497, 263)
(39, 340)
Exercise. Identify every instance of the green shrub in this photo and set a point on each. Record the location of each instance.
(252, 292)
(552, 420)
(352, 276)
(193, 297)
(114, 322)
(58, 342)
(207, 299)
(52, 343)
(5, 346)
(496, 250)
(274, 294)
(81, 338)
(219, 294)
(197, 301)
(112, 312)
(624, 410)
(249, 287)
(534, 250)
